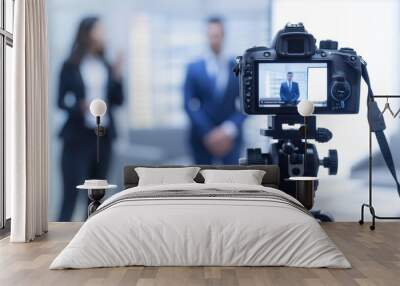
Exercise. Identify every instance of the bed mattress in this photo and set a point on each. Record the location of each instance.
(201, 225)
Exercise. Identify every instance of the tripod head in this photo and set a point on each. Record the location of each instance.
(278, 131)
(289, 150)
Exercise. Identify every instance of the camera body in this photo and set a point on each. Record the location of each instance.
(328, 76)
(273, 81)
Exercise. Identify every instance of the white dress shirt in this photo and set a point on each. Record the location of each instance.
(217, 67)
(289, 85)
(95, 79)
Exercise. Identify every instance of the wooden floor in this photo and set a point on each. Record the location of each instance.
(375, 257)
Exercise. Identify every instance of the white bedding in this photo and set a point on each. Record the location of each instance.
(200, 231)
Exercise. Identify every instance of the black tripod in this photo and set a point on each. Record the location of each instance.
(291, 153)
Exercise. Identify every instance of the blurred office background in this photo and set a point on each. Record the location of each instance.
(157, 40)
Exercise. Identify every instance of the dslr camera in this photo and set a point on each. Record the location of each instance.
(327, 76)
(274, 80)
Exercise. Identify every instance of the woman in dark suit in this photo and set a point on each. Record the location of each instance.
(86, 75)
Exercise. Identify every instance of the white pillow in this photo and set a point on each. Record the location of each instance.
(248, 177)
(165, 176)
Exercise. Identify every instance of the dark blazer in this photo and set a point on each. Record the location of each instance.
(289, 96)
(205, 109)
(71, 82)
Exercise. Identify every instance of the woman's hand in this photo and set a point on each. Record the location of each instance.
(84, 106)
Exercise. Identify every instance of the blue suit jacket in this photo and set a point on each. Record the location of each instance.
(289, 96)
(207, 110)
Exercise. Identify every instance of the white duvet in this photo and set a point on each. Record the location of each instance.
(200, 231)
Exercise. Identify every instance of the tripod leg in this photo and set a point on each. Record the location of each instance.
(98, 148)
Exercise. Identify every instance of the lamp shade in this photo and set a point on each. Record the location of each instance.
(98, 107)
(305, 108)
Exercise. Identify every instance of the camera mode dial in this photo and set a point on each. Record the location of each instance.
(328, 45)
(256, 49)
(348, 51)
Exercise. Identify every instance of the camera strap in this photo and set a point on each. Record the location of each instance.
(377, 125)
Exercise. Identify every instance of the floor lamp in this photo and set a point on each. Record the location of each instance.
(98, 108)
(305, 109)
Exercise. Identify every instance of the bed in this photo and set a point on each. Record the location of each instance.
(197, 224)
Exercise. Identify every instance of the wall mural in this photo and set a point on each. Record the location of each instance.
(165, 72)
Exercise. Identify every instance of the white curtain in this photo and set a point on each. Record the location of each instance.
(27, 148)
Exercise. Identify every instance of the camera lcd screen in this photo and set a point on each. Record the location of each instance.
(286, 84)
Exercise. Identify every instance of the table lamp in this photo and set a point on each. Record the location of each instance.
(305, 108)
(98, 108)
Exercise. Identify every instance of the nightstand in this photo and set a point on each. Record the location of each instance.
(96, 193)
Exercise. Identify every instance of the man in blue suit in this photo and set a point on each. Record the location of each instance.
(289, 91)
(210, 96)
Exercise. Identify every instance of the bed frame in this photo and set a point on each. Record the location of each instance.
(270, 179)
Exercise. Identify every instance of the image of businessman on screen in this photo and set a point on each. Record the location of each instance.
(289, 91)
